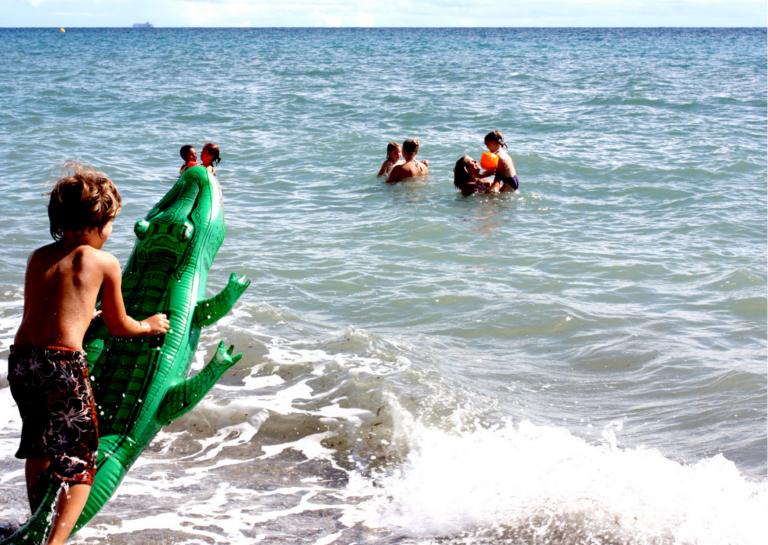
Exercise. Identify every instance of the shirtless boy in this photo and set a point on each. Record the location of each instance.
(411, 168)
(47, 369)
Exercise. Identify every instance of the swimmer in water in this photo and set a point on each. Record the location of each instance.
(467, 177)
(410, 168)
(504, 173)
(189, 154)
(394, 158)
(209, 157)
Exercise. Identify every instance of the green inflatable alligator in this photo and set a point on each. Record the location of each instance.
(141, 384)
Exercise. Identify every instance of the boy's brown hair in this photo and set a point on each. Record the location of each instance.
(411, 146)
(81, 200)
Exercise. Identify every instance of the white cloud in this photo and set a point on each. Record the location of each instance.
(353, 13)
(365, 20)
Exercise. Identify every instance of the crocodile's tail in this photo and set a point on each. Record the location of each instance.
(111, 471)
(109, 474)
(37, 528)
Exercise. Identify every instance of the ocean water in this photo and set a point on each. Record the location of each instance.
(581, 362)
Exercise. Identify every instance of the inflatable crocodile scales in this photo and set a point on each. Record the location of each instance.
(141, 384)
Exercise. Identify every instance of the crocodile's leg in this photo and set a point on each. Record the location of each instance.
(182, 398)
(37, 528)
(209, 311)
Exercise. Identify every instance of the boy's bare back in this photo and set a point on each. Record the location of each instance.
(60, 291)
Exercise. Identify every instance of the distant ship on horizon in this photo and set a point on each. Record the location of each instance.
(143, 25)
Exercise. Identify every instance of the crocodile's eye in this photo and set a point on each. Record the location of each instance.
(141, 228)
(185, 231)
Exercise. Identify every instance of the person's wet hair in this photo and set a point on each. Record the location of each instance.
(496, 136)
(82, 199)
(461, 176)
(411, 146)
(392, 146)
(213, 151)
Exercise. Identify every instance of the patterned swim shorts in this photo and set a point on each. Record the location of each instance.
(51, 388)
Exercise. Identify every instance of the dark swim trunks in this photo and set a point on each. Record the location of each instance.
(52, 390)
(512, 180)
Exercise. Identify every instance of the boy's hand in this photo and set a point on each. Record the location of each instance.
(158, 324)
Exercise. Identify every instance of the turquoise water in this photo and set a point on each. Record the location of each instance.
(581, 362)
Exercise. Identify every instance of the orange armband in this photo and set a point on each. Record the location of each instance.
(489, 161)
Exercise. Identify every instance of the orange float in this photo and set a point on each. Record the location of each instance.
(489, 160)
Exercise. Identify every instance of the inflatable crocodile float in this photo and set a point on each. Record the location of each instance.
(141, 384)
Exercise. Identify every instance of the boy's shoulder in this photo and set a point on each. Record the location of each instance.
(92, 256)
(80, 256)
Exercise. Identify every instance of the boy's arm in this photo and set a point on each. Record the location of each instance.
(113, 308)
(383, 168)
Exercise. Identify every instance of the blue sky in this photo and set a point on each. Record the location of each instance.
(383, 13)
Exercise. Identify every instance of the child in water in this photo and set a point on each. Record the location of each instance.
(210, 157)
(189, 154)
(394, 157)
(410, 168)
(47, 369)
(505, 173)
